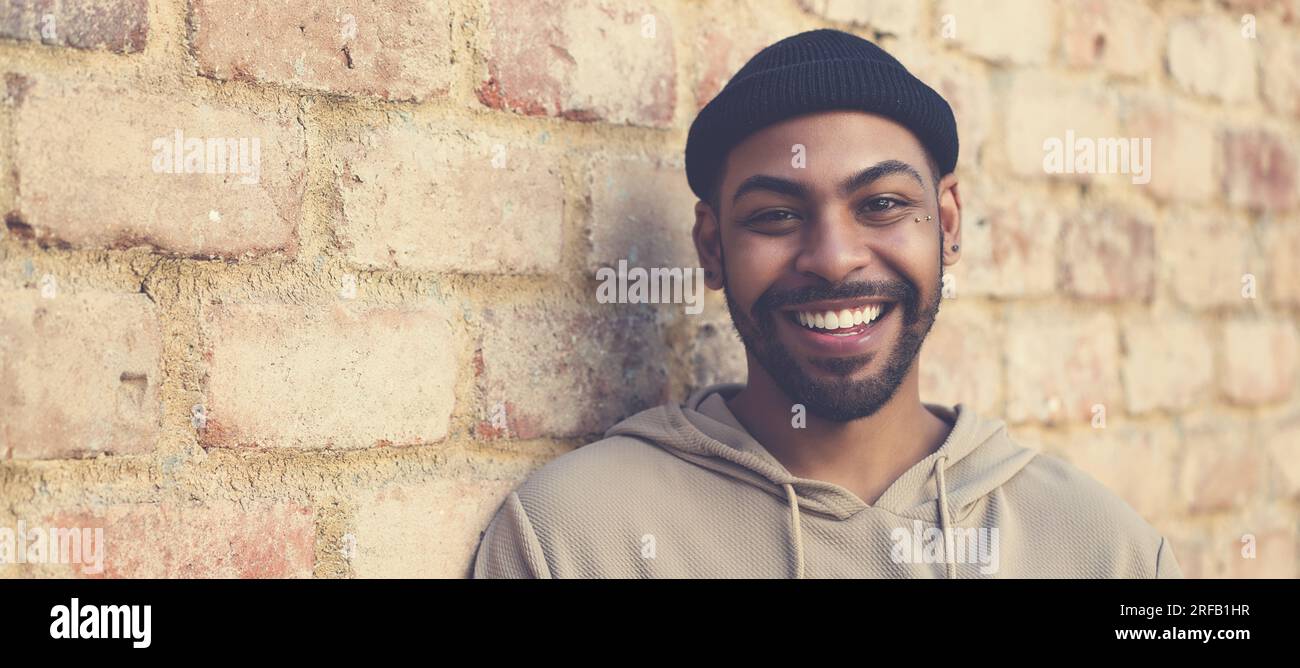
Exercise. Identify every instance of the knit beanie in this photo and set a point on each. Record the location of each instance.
(812, 71)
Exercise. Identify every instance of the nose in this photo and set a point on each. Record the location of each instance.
(835, 247)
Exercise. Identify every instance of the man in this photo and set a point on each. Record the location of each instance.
(828, 210)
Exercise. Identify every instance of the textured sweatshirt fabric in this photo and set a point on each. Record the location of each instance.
(683, 491)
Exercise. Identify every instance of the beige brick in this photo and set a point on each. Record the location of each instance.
(1273, 539)
(423, 199)
(964, 86)
(325, 376)
(182, 540)
(1260, 170)
(642, 211)
(424, 530)
(1204, 257)
(717, 354)
(1281, 70)
(392, 49)
(583, 60)
(1209, 56)
(91, 171)
(79, 374)
(1259, 360)
(121, 26)
(1114, 35)
(1168, 364)
(1060, 366)
(1010, 242)
(1221, 468)
(1283, 249)
(1040, 107)
(574, 372)
(958, 360)
(1183, 147)
(1282, 441)
(897, 18)
(1139, 463)
(1108, 253)
(1021, 32)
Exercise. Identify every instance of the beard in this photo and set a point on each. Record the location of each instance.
(838, 398)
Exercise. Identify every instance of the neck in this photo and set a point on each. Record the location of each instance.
(864, 456)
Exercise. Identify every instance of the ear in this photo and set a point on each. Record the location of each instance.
(950, 218)
(708, 244)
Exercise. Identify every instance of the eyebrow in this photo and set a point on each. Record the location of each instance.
(797, 189)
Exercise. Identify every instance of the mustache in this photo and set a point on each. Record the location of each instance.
(899, 291)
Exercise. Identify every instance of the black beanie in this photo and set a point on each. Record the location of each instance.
(812, 71)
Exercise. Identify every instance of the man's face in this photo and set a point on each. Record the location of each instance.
(830, 281)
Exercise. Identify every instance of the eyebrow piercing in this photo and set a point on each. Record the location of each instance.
(918, 219)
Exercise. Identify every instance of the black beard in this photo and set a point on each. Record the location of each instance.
(838, 399)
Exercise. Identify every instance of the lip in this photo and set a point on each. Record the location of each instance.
(828, 345)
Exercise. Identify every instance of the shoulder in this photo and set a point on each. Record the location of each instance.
(1075, 513)
(607, 477)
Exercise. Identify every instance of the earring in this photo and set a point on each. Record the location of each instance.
(954, 247)
(918, 219)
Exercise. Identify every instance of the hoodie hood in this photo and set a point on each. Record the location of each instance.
(977, 457)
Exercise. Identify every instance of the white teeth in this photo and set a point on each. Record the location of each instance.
(842, 319)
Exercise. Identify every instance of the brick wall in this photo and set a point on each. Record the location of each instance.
(339, 365)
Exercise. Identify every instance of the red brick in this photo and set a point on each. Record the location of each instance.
(727, 42)
(416, 198)
(282, 375)
(1259, 361)
(1059, 366)
(182, 540)
(79, 375)
(121, 26)
(1259, 170)
(392, 49)
(587, 60)
(575, 372)
(1108, 253)
(87, 172)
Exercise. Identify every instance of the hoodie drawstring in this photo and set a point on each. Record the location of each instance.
(944, 522)
(798, 535)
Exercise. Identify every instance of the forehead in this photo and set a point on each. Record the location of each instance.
(835, 144)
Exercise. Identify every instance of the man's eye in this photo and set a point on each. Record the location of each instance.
(881, 204)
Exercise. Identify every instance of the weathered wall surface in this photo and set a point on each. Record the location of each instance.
(336, 361)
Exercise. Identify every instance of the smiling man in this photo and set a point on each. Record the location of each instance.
(828, 210)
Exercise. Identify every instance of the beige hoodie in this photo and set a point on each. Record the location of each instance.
(682, 491)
